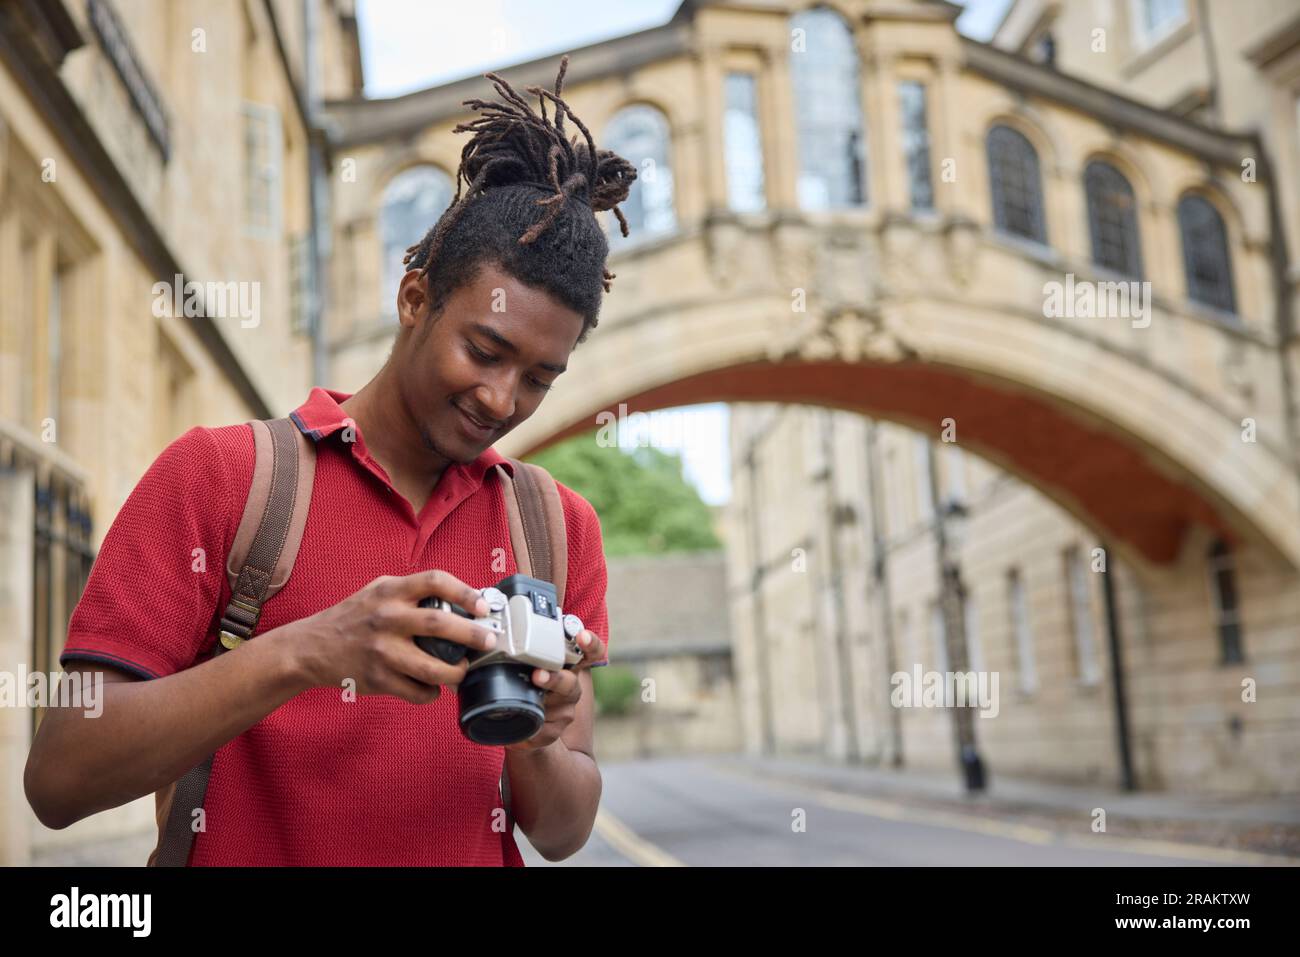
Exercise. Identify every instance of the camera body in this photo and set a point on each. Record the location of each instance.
(499, 704)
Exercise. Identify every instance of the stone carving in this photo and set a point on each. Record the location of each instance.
(1236, 375)
(963, 237)
(846, 333)
(795, 252)
(725, 241)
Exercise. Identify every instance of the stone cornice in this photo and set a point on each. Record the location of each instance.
(363, 120)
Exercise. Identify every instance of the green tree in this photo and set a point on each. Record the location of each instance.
(644, 503)
(616, 688)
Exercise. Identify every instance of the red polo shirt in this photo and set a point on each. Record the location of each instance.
(320, 781)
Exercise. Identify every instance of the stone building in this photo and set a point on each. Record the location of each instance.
(853, 206)
(845, 205)
(673, 631)
(1192, 626)
(155, 224)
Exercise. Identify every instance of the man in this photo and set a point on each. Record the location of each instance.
(404, 506)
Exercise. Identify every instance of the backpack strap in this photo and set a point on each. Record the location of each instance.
(261, 558)
(536, 516)
(275, 516)
(539, 542)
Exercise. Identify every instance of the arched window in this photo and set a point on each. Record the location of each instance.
(1205, 253)
(413, 201)
(832, 144)
(640, 134)
(1015, 184)
(1112, 218)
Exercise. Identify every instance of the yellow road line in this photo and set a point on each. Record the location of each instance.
(1199, 852)
(636, 849)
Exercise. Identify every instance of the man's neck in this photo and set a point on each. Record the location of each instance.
(392, 437)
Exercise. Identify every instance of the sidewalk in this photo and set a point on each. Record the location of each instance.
(1267, 825)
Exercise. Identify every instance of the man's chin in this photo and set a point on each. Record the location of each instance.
(457, 449)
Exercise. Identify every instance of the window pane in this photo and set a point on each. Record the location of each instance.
(1223, 586)
(916, 143)
(262, 148)
(744, 146)
(832, 145)
(1015, 184)
(1205, 254)
(640, 134)
(1112, 218)
(921, 472)
(1024, 644)
(1159, 17)
(1081, 617)
(413, 201)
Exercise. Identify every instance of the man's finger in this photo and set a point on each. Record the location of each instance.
(592, 651)
(436, 583)
(563, 684)
(442, 624)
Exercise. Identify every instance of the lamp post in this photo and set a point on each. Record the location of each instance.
(950, 533)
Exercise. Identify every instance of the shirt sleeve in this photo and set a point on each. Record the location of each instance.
(587, 576)
(151, 599)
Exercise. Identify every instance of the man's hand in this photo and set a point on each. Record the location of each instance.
(368, 637)
(563, 692)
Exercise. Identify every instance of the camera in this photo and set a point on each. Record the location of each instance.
(499, 704)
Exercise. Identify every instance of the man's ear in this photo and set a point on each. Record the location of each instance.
(413, 299)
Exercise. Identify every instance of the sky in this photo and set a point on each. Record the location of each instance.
(410, 44)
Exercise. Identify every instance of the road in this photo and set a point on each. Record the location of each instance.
(693, 812)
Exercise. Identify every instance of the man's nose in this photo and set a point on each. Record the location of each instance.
(498, 398)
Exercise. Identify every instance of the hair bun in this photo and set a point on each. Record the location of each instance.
(514, 145)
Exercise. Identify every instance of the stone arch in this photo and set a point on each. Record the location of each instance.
(1132, 170)
(1144, 473)
(834, 6)
(1033, 126)
(663, 107)
(395, 164)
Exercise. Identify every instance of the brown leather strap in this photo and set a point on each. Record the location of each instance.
(270, 531)
(535, 515)
(261, 559)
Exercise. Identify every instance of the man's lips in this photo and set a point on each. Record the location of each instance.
(477, 424)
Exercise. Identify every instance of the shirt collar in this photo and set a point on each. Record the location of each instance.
(321, 416)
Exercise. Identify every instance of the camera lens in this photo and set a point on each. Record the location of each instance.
(500, 705)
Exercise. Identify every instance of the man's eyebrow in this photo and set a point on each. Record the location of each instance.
(510, 347)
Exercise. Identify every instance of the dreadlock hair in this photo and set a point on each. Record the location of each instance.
(516, 162)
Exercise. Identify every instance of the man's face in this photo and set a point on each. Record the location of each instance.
(481, 367)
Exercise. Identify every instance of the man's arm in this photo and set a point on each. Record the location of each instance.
(555, 790)
(555, 785)
(149, 733)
